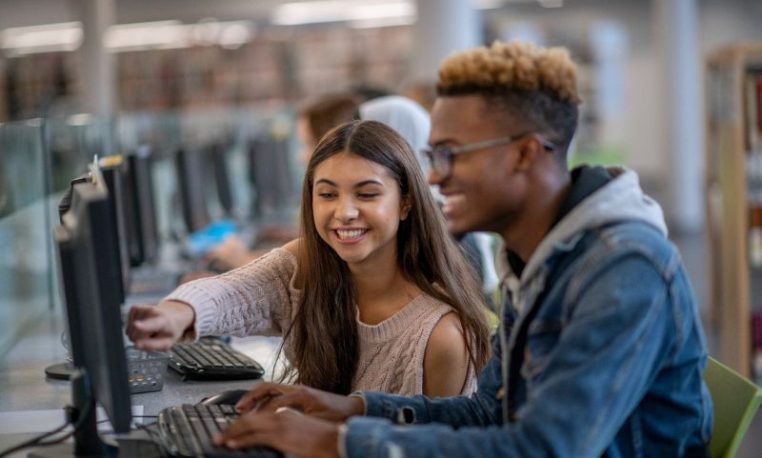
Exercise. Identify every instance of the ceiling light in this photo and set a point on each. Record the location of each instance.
(234, 35)
(146, 35)
(340, 11)
(174, 35)
(382, 22)
(65, 36)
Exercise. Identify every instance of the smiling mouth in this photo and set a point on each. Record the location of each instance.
(350, 234)
(452, 201)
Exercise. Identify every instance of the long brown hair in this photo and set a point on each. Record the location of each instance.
(324, 331)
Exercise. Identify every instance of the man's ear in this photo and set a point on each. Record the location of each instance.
(529, 150)
(405, 208)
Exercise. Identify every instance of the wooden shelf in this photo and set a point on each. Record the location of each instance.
(727, 202)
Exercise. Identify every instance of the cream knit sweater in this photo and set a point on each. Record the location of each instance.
(260, 299)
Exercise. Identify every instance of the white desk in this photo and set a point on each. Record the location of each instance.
(24, 390)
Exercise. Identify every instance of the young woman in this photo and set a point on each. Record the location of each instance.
(374, 295)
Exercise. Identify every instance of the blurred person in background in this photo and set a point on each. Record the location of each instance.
(319, 116)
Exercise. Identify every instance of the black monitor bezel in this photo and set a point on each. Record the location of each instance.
(86, 247)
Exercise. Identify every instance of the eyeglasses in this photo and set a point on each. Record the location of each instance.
(441, 157)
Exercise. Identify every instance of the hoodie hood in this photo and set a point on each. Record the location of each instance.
(410, 120)
(621, 199)
(403, 115)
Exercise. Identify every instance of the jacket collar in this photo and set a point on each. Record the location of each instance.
(599, 196)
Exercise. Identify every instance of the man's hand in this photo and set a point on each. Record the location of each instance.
(156, 328)
(269, 397)
(285, 430)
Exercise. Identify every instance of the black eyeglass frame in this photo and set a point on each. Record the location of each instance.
(441, 157)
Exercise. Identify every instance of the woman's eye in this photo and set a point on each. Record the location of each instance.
(368, 195)
(326, 195)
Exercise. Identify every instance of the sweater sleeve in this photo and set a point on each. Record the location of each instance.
(255, 299)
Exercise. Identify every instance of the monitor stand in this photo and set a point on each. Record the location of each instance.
(60, 371)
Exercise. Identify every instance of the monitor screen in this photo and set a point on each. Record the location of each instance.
(270, 175)
(130, 239)
(217, 157)
(139, 185)
(130, 186)
(90, 277)
(113, 171)
(191, 188)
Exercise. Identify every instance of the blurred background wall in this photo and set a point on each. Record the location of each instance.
(641, 62)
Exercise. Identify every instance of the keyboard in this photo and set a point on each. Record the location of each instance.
(212, 360)
(187, 431)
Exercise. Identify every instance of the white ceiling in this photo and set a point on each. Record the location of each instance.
(16, 13)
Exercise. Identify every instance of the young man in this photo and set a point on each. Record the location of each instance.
(601, 350)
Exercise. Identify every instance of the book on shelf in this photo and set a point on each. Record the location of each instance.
(752, 109)
(758, 88)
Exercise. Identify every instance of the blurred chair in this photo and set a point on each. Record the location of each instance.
(736, 401)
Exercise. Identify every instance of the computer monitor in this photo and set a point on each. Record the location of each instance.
(191, 181)
(89, 277)
(112, 169)
(140, 187)
(129, 210)
(270, 175)
(217, 157)
(128, 179)
(109, 177)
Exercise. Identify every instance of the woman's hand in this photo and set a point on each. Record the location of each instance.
(285, 430)
(156, 328)
(269, 397)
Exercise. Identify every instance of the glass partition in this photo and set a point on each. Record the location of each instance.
(25, 265)
(72, 142)
(39, 158)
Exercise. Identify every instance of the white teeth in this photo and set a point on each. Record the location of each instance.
(454, 198)
(350, 234)
(452, 201)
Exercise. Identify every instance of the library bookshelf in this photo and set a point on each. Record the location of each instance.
(734, 203)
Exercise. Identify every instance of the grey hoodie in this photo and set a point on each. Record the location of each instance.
(620, 199)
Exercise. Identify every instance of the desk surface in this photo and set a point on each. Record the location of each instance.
(24, 388)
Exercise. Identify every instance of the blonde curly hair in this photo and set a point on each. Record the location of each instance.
(511, 66)
(536, 87)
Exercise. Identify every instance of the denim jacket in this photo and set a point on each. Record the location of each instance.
(600, 353)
